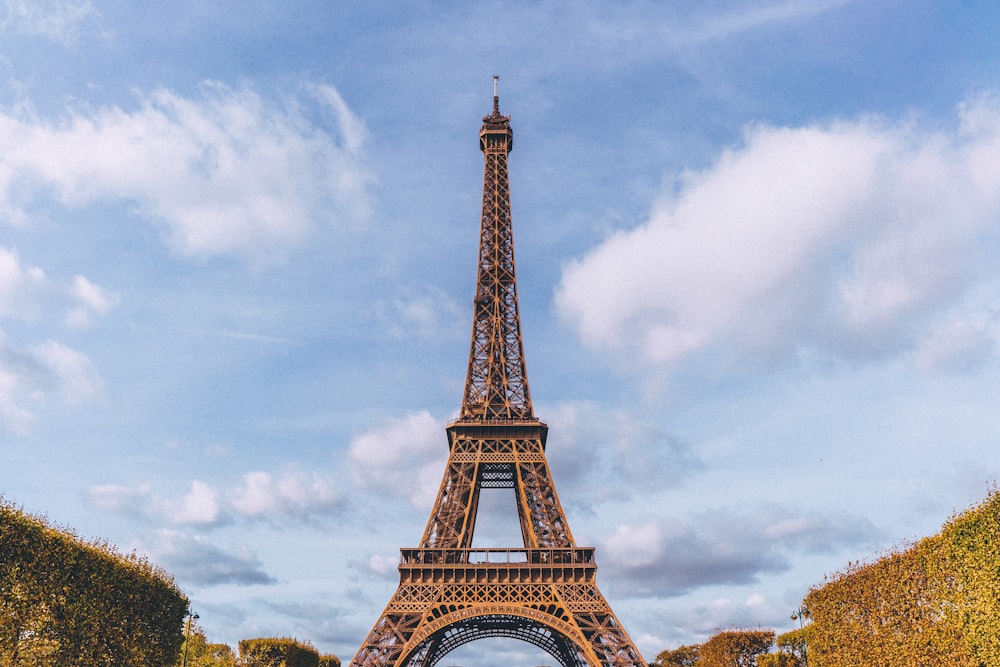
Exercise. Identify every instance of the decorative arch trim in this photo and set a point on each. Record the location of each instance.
(569, 634)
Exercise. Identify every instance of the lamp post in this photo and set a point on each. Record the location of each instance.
(187, 637)
(799, 615)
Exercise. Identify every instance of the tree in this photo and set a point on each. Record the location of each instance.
(794, 643)
(200, 653)
(193, 648)
(779, 659)
(219, 655)
(277, 652)
(684, 656)
(735, 648)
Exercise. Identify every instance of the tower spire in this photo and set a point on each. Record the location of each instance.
(496, 387)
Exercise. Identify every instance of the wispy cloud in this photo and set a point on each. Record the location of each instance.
(29, 376)
(858, 239)
(57, 20)
(194, 559)
(587, 440)
(222, 174)
(20, 286)
(287, 498)
(31, 373)
(668, 558)
(427, 313)
(406, 457)
(751, 16)
(91, 300)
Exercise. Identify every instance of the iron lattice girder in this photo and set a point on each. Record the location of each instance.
(454, 604)
(497, 383)
(488, 455)
(544, 593)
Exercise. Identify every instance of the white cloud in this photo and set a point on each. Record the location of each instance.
(406, 457)
(290, 495)
(673, 557)
(194, 559)
(91, 299)
(31, 373)
(227, 174)
(383, 565)
(427, 313)
(747, 17)
(20, 286)
(72, 370)
(586, 440)
(851, 238)
(58, 20)
(117, 498)
(199, 506)
(13, 416)
(959, 343)
(28, 376)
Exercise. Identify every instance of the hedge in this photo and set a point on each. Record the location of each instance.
(735, 648)
(66, 602)
(934, 603)
(277, 652)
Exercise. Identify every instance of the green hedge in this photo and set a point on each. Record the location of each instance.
(735, 648)
(66, 602)
(935, 603)
(277, 652)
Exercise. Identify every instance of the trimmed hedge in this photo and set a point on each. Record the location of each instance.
(66, 602)
(935, 603)
(277, 652)
(735, 648)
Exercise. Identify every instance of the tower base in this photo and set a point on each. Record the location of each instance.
(546, 597)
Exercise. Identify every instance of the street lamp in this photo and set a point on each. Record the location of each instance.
(187, 637)
(799, 615)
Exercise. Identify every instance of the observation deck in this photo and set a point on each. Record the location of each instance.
(503, 566)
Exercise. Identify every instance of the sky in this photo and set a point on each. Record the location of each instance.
(755, 248)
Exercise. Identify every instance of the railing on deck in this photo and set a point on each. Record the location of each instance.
(559, 556)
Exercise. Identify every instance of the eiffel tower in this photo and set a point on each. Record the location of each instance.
(543, 592)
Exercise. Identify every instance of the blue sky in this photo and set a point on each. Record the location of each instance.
(755, 247)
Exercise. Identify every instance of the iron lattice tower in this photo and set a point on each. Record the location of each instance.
(544, 592)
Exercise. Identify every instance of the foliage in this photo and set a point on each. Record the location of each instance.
(253, 653)
(277, 652)
(329, 660)
(219, 655)
(197, 652)
(779, 659)
(194, 647)
(735, 648)
(793, 643)
(66, 602)
(965, 571)
(684, 656)
(935, 603)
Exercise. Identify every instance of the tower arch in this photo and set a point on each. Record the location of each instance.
(548, 632)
